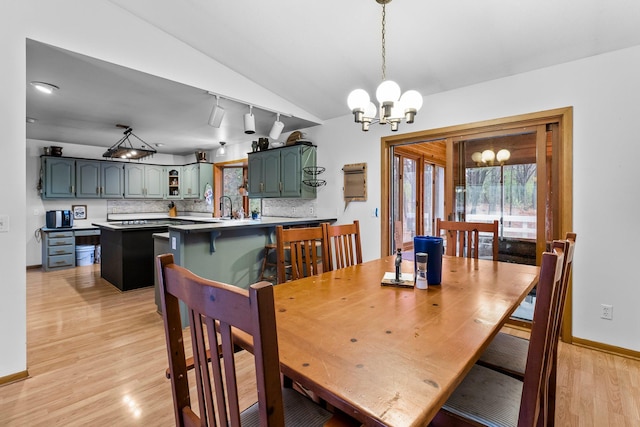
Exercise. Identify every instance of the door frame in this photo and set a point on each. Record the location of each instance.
(562, 177)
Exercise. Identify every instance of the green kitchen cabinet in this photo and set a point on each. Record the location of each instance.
(195, 178)
(97, 179)
(144, 181)
(59, 177)
(280, 172)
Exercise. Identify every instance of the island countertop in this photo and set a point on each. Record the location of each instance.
(197, 224)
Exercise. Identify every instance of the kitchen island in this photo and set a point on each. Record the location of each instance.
(226, 250)
(230, 251)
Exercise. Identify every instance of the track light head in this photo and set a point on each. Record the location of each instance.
(250, 122)
(277, 128)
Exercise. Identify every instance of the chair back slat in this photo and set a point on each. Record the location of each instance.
(307, 249)
(550, 397)
(344, 248)
(215, 308)
(540, 344)
(463, 238)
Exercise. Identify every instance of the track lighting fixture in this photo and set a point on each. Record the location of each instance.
(217, 113)
(277, 127)
(250, 122)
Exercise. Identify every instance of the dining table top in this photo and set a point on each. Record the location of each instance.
(390, 355)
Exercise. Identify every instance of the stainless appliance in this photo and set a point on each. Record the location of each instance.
(59, 219)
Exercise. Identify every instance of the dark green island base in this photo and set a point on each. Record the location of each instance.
(229, 252)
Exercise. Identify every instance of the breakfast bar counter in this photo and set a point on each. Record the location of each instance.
(229, 251)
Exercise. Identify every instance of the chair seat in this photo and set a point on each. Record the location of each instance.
(487, 397)
(507, 353)
(299, 411)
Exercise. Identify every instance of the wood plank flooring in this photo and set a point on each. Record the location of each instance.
(96, 356)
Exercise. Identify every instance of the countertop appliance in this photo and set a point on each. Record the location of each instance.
(59, 219)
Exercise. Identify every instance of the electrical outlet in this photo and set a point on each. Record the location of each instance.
(293, 210)
(606, 311)
(311, 210)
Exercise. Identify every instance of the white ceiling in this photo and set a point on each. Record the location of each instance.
(313, 53)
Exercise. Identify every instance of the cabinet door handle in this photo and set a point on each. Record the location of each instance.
(280, 186)
(261, 187)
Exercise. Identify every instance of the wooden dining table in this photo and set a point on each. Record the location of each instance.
(388, 355)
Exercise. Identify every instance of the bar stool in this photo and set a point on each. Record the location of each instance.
(268, 272)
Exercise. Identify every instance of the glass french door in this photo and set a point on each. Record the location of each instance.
(418, 197)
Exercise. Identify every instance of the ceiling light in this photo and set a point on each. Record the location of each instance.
(217, 113)
(125, 149)
(220, 152)
(276, 129)
(31, 120)
(44, 87)
(250, 122)
(393, 107)
(503, 155)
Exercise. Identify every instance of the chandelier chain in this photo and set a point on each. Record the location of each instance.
(384, 52)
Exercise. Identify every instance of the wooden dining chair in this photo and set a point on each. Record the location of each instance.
(343, 245)
(307, 252)
(463, 238)
(215, 310)
(508, 353)
(488, 397)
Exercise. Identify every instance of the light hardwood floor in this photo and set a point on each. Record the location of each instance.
(96, 356)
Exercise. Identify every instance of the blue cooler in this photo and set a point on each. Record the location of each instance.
(434, 248)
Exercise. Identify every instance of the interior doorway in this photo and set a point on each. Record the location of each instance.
(530, 192)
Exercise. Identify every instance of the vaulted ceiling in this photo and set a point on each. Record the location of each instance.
(313, 53)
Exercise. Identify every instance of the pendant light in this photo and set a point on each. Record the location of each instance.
(129, 149)
(392, 106)
(220, 152)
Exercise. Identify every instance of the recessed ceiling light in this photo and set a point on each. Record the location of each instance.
(159, 144)
(45, 87)
(31, 120)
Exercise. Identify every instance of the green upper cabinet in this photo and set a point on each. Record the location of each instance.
(66, 177)
(195, 178)
(96, 179)
(112, 180)
(59, 178)
(144, 181)
(279, 172)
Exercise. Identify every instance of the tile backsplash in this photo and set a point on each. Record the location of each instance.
(156, 206)
(290, 208)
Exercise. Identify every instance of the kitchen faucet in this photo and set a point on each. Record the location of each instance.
(222, 206)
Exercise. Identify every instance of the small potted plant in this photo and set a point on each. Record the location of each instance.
(255, 213)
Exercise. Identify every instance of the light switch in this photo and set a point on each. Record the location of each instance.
(173, 243)
(4, 223)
